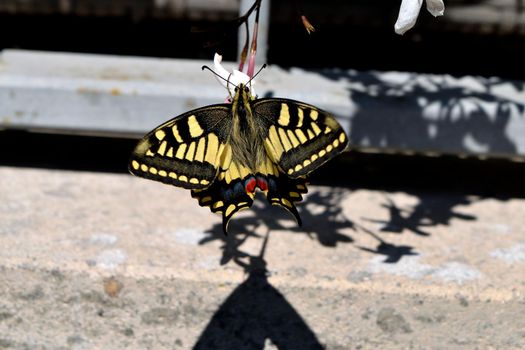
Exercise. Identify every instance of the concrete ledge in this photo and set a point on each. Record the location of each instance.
(111, 261)
(385, 111)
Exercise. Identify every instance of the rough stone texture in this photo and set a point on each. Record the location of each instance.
(110, 261)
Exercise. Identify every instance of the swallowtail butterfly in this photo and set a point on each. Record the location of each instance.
(224, 153)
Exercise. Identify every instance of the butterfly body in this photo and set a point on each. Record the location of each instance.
(224, 153)
(246, 135)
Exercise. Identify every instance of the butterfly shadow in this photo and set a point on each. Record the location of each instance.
(256, 314)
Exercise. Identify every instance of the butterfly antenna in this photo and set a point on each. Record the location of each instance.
(219, 76)
(228, 87)
(256, 74)
(216, 74)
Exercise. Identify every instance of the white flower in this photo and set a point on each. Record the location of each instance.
(409, 11)
(231, 80)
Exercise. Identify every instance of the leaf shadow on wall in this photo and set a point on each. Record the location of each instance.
(429, 112)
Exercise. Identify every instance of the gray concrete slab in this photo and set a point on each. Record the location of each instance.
(106, 261)
(385, 111)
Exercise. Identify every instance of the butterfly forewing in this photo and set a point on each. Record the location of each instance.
(300, 137)
(186, 151)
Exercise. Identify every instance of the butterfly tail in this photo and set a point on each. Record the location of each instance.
(284, 192)
(225, 199)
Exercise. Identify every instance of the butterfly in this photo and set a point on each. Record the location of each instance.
(224, 153)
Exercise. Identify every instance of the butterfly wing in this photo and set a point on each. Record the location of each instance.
(227, 194)
(193, 151)
(284, 191)
(186, 151)
(300, 137)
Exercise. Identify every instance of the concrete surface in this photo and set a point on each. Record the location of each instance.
(106, 261)
(390, 111)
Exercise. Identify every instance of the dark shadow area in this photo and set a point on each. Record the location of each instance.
(325, 223)
(360, 35)
(119, 35)
(432, 210)
(389, 172)
(68, 152)
(349, 34)
(256, 314)
(393, 253)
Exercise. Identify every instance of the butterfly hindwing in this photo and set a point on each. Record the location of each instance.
(234, 190)
(229, 193)
(188, 150)
(284, 191)
(300, 137)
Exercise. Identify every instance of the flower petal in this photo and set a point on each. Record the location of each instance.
(436, 7)
(220, 70)
(230, 80)
(408, 12)
(239, 77)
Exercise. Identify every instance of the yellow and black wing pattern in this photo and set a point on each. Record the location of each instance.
(195, 151)
(300, 137)
(228, 193)
(235, 187)
(186, 151)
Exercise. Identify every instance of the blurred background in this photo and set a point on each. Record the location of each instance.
(446, 95)
(473, 38)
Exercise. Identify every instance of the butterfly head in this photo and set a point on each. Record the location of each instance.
(243, 92)
(241, 99)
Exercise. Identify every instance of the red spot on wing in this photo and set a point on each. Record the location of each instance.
(250, 185)
(262, 184)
